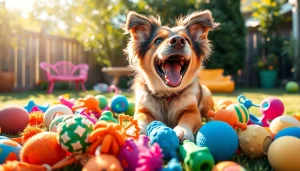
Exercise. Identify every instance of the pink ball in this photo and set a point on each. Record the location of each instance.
(13, 119)
(270, 108)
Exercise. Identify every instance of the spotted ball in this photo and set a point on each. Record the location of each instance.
(73, 133)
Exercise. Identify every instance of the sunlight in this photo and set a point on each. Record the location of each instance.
(23, 5)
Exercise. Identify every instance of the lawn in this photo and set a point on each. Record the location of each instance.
(291, 102)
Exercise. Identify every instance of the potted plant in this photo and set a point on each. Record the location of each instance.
(268, 70)
(7, 76)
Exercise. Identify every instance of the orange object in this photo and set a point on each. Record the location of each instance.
(42, 148)
(227, 116)
(133, 123)
(222, 104)
(216, 81)
(103, 162)
(107, 134)
(296, 116)
(227, 166)
(90, 103)
(36, 118)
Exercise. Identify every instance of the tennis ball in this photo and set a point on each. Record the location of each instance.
(292, 87)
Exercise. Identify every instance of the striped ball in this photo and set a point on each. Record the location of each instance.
(241, 112)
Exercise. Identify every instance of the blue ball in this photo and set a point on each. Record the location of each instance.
(220, 138)
(119, 104)
(9, 150)
(290, 131)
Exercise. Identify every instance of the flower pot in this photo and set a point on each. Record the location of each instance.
(7, 81)
(268, 78)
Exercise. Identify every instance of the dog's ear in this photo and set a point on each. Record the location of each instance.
(140, 26)
(199, 24)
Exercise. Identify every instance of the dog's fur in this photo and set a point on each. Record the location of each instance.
(178, 106)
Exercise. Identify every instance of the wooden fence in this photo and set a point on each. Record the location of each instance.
(33, 48)
(249, 74)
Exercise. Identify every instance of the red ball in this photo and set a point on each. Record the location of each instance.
(14, 119)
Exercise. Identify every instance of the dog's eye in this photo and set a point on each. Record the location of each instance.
(158, 41)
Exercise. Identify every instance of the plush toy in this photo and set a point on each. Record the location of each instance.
(165, 137)
(195, 158)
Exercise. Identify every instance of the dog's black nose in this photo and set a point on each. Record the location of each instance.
(177, 42)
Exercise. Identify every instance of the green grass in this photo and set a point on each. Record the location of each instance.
(291, 102)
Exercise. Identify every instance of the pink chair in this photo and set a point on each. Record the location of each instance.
(65, 71)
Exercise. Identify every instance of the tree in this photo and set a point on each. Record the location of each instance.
(94, 23)
(229, 46)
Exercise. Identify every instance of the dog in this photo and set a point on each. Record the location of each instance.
(166, 62)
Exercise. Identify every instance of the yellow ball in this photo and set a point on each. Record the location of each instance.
(254, 141)
(241, 112)
(284, 153)
(282, 122)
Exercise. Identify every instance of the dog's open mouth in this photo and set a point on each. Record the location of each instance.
(172, 69)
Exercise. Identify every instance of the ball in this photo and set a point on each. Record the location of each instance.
(220, 138)
(130, 109)
(56, 121)
(291, 131)
(119, 104)
(254, 141)
(292, 87)
(103, 162)
(14, 119)
(282, 122)
(54, 111)
(228, 166)
(42, 148)
(9, 150)
(73, 133)
(102, 101)
(271, 108)
(241, 112)
(284, 153)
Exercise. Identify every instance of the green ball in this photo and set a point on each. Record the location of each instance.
(130, 110)
(292, 87)
(73, 133)
(102, 101)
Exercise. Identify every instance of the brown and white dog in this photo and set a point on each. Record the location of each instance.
(166, 62)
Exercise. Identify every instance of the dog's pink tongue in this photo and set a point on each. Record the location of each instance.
(172, 73)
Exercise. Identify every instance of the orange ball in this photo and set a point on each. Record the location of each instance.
(103, 162)
(227, 166)
(42, 148)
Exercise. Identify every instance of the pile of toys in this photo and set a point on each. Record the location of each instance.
(103, 135)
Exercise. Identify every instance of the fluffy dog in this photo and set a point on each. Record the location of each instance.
(166, 61)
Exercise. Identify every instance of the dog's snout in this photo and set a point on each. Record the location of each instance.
(177, 42)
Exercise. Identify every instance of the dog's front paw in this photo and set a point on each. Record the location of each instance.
(184, 133)
(143, 128)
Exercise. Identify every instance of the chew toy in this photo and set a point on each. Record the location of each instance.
(227, 116)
